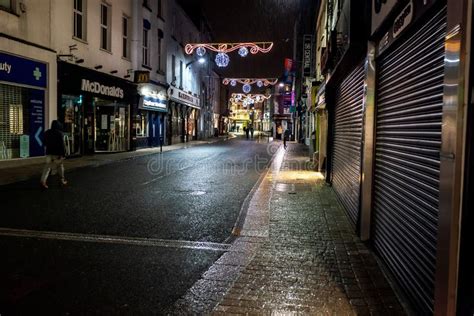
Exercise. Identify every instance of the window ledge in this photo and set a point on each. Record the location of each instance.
(9, 11)
(160, 72)
(146, 67)
(106, 51)
(147, 7)
(127, 59)
(83, 41)
(161, 18)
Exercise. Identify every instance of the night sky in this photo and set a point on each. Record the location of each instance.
(253, 20)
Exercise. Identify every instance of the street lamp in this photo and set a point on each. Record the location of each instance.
(201, 60)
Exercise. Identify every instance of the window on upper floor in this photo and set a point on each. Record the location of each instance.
(146, 4)
(145, 48)
(160, 50)
(125, 37)
(181, 74)
(105, 28)
(79, 19)
(8, 5)
(159, 10)
(173, 69)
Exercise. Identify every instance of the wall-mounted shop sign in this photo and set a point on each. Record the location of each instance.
(307, 55)
(23, 71)
(98, 88)
(141, 76)
(152, 98)
(380, 10)
(183, 97)
(404, 18)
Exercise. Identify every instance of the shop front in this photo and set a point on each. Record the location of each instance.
(150, 120)
(94, 109)
(184, 112)
(23, 89)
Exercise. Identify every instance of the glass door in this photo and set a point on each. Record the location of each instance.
(71, 116)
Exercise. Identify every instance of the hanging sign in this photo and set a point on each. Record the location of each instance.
(307, 55)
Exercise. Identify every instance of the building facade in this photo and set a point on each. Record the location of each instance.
(149, 62)
(396, 94)
(96, 97)
(185, 76)
(28, 87)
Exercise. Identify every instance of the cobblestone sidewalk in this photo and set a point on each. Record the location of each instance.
(295, 254)
(311, 262)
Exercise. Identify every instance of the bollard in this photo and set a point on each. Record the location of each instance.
(161, 144)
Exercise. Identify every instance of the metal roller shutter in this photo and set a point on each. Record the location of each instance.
(348, 141)
(407, 159)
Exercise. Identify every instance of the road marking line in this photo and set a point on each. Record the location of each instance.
(154, 242)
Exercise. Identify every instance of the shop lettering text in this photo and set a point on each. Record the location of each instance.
(6, 67)
(95, 87)
(402, 20)
(185, 97)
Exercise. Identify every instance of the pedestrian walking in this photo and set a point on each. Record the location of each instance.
(286, 134)
(251, 132)
(55, 153)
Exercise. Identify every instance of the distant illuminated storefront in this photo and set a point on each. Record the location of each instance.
(94, 109)
(184, 112)
(23, 88)
(149, 123)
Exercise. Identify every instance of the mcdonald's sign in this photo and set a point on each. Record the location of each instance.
(141, 76)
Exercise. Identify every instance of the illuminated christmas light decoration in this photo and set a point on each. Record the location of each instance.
(222, 60)
(246, 88)
(243, 51)
(233, 83)
(200, 51)
(248, 98)
(255, 47)
(263, 81)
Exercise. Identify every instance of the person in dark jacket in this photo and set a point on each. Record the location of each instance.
(55, 153)
(286, 135)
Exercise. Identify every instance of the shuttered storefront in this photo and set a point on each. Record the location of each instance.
(346, 157)
(407, 158)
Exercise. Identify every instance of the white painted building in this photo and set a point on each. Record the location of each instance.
(27, 78)
(149, 47)
(93, 40)
(185, 76)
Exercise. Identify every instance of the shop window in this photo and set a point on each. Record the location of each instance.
(70, 115)
(141, 125)
(14, 120)
(111, 125)
(105, 26)
(79, 19)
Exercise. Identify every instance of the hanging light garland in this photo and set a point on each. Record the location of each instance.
(222, 50)
(247, 82)
(259, 81)
(246, 99)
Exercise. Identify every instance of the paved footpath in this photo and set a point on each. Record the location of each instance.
(296, 253)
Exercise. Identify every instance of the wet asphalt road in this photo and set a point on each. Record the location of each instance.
(193, 194)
